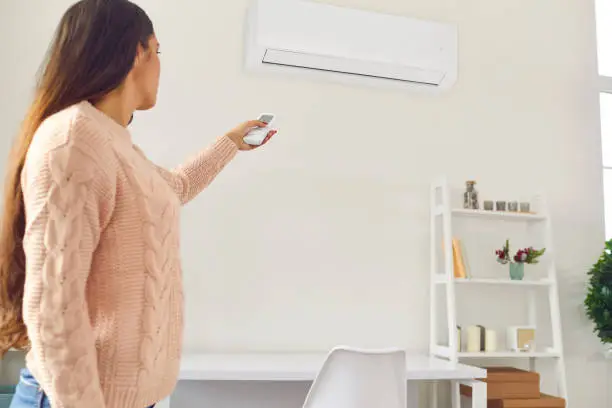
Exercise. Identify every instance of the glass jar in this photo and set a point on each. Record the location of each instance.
(470, 197)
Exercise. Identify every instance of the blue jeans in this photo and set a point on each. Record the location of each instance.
(29, 394)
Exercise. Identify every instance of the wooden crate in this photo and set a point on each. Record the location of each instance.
(509, 383)
(545, 401)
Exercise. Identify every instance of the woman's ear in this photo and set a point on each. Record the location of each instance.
(140, 55)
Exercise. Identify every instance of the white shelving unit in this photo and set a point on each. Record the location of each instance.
(443, 281)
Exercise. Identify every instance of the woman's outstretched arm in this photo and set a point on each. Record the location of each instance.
(194, 176)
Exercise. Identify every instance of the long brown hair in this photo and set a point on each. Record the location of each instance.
(91, 55)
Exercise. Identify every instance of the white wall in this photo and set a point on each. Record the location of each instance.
(322, 237)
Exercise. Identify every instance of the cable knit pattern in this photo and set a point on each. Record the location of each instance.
(188, 180)
(159, 217)
(103, 296)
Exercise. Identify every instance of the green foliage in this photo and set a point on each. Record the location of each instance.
(533, 255)
(598, 301)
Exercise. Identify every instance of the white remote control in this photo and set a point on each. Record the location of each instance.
(256, 136)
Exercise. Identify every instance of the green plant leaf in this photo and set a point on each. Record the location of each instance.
(598, 301)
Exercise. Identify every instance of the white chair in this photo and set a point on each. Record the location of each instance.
(354, 378)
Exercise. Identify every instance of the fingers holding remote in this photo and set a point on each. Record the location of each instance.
(269, 136)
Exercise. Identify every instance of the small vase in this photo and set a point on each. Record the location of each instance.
(517, 271)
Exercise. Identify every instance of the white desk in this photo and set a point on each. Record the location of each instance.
(305, 366)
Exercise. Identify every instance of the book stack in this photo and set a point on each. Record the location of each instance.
(459, 264)
(509, 387)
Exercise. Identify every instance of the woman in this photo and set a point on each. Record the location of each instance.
(90, 280)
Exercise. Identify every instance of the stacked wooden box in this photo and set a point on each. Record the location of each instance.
(509, 387)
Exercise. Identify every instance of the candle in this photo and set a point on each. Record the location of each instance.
(491, 340)
(459, 338)
(473, 339)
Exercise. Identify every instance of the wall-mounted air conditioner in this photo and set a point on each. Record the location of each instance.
(342, 44)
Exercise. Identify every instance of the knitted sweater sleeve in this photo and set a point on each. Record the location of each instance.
(191, 178)
(67, 198)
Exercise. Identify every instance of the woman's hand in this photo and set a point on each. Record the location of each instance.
(237, 134)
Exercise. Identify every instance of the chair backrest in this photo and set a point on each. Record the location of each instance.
(356, 378)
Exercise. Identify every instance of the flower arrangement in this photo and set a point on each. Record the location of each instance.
(522, 256)
(503, 255)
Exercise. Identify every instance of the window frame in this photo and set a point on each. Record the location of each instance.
(605, 87)
(605, 84)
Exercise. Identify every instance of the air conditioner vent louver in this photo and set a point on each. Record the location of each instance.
(297, 36)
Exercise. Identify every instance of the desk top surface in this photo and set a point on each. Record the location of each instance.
(304, 367)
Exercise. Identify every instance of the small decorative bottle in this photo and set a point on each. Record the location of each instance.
(470, 197)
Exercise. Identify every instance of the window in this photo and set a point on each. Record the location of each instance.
(604, 50)
(604, 36)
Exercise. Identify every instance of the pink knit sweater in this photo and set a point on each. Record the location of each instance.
(103, 295)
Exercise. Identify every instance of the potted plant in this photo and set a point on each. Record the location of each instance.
(598, 301)
(517, 261)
